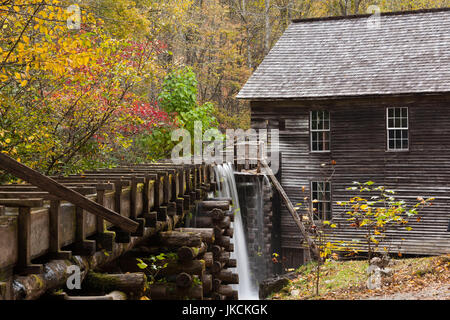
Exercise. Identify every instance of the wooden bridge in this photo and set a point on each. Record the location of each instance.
(111, 217)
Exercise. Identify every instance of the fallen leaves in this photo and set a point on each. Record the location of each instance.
(418, 278)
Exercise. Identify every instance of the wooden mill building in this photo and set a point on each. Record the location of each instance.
(375, 98)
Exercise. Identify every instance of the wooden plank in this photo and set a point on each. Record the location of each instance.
(31, 176)
(358, 145)
(291, 209)
(31, 203)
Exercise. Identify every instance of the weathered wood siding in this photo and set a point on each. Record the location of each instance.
(358, 145)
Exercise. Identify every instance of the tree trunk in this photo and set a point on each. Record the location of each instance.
(183, 280)
(176, 239)
(129, 283)
(205, 206)
(169, 291)
(206, 233)
(207, 283)
(190, 253)
(267, 27)
(228, 277)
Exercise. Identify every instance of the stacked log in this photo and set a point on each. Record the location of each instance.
(216, 214)
(171, 277)
(268, 214)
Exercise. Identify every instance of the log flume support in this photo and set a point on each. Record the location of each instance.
(101, 222)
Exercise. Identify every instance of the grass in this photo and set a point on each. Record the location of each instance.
(347, 279)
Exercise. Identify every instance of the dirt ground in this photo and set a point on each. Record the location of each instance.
(425, 278)
(431, 292)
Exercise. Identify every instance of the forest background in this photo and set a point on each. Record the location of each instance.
(97, 83)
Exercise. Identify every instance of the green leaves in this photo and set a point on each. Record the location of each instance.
(179, 92)
(381, 213)
(141, 264)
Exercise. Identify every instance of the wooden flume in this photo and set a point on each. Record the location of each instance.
(156, 199)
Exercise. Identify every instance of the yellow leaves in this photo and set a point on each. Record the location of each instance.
(43, 14)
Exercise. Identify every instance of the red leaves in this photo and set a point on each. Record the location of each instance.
(148, 115)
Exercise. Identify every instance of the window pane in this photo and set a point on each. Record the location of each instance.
(321, 192)
(320, 128)
(397, 112)
(404, 112)
(391, 144)
(320, 125)
(404, 123)
(391, 112)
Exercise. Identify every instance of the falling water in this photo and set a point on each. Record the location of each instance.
(227, 188)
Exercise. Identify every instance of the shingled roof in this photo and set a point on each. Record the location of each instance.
(343, 57)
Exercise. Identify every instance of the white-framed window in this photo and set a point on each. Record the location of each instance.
(321, 200)
(320, 130)
(397, 129)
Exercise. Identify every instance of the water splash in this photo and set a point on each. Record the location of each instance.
(227, 188)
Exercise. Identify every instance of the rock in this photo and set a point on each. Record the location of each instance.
(381, 262)
(376, 261)
(269, 286)
(377, 273)
(387, 272)
(371, 269)
(374, 280)
(295, 293)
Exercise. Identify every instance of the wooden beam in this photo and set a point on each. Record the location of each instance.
(31, 176)
(291, 209)
(31, 203)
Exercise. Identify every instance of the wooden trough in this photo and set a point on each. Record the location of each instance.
(111, 217)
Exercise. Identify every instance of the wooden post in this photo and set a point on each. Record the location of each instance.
(133, 209)
(121, 236)
(82, 246)
(24, 265)
(55, 213)
(104, 238)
